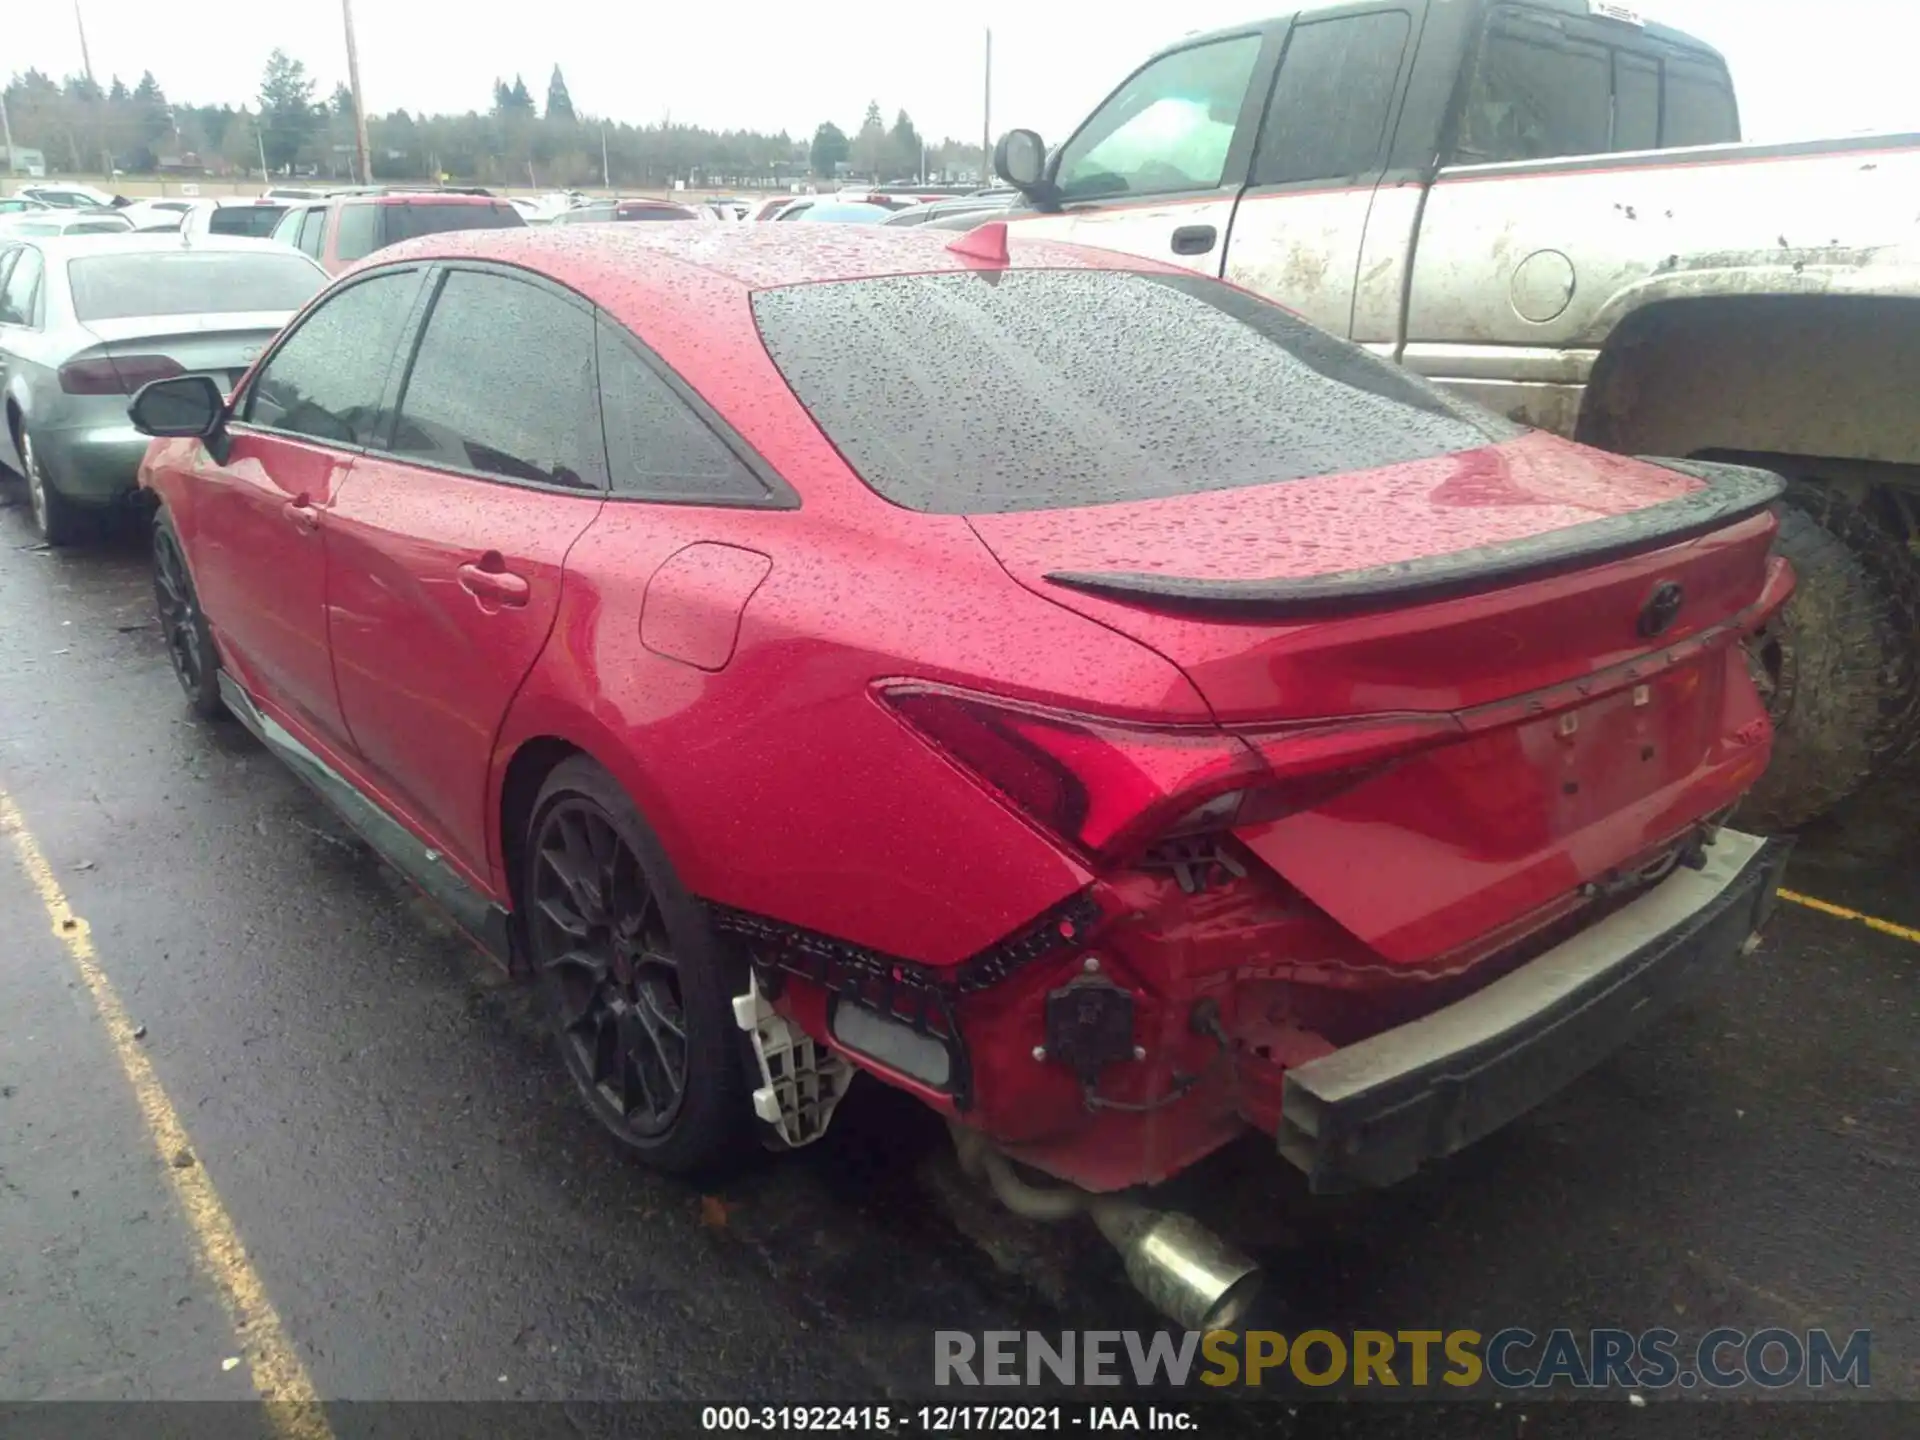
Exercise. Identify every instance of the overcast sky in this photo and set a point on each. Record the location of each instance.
(768, 66)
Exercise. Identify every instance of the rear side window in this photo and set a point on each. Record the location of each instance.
(503, 384)
(657, 448)
(355, 236)
(258, 221)
(1328, 116)
(1043, 389)
(327, 380)
(189, 282)
(410, 218)
(313, 230)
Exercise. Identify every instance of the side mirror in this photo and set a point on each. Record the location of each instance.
(187, 405)
(1020, 159)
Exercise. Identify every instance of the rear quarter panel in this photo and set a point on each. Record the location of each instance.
(778, 783)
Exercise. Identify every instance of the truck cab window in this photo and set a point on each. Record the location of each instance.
(1544, 87)
(1328, 116)
(1700, 106)
(1167, 130)
(1535, 96)
(1636, 102)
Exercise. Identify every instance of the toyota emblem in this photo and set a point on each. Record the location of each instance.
(1662, 608)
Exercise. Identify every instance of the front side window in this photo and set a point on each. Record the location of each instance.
(503, 384)
(20, 300)
(327, 380)
(1328, 116)
(1167, 130)
(657, 448)
(1046, 389)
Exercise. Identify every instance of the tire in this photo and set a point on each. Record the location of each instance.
(183, 624)
(1840, 668)
(613, 1029)
(59, 520)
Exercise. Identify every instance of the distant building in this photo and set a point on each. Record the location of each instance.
(21, 161)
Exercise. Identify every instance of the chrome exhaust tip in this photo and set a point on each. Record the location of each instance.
(1184, 1270)
(1188, 1273)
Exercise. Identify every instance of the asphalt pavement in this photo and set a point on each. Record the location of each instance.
(425, 1212)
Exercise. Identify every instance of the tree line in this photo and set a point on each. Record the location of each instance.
(80, 128)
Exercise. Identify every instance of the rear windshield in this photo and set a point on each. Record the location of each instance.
(185, 282)
(254, 220)
(654, 212)
(1043, 389)
(405, 221)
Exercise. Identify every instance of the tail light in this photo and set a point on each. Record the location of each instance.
(1110, 788)
(116, 375)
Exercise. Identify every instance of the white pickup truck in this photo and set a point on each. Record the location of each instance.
(1545, 205)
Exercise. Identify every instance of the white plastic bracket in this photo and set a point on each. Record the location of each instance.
(801, 1081)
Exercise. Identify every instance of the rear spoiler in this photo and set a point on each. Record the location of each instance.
(1732, 493)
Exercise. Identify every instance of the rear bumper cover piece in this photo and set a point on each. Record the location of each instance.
(1373, 1113)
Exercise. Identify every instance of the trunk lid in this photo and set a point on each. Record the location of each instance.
(220, 345)
(1568, 609)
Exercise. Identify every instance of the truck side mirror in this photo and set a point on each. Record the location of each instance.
(1020, 159)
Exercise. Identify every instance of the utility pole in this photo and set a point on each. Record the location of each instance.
(6, 134)
(606, 175)
(100, 99)
(260, 139)
(986, 121)
(359, 107)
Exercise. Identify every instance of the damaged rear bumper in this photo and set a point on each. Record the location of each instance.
(1373, 1113)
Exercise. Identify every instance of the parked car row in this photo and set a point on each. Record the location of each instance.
(85, 320)
(1100, 703)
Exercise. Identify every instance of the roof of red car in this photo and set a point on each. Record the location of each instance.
(754, 256)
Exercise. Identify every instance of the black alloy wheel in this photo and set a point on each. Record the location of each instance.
(637, 989)
(183, 625)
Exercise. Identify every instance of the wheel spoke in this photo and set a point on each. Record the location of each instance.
(565, 919)
(659, 1027)
(607, 1050)
(636, 1092)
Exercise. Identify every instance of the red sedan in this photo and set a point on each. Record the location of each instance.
(1073, 690)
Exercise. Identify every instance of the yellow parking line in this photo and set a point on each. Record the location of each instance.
(1840, 912)
(293, 1408)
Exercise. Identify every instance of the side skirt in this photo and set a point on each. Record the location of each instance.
(473, 912)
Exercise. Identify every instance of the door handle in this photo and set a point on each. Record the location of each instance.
(490, 585)
(304, 517)
(1194, 239)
